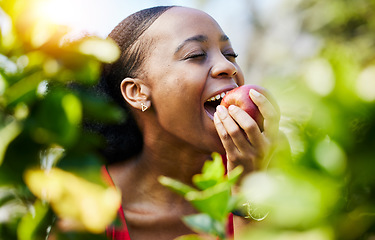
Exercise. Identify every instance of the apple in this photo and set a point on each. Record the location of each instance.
(240, 97)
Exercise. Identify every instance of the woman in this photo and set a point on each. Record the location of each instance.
(173, 60)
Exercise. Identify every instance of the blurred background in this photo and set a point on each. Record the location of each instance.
(317, 57)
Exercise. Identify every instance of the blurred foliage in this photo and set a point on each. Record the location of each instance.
(327, 189)
(49, 169)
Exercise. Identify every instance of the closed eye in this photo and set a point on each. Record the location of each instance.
(231, 56)
(195, 56)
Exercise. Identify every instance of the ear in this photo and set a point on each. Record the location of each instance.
(136, 92)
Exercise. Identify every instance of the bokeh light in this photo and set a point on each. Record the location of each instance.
(366, 84)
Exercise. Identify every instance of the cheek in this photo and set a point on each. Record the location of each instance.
(181, 85)
(176, 101)
(177, 90)
(175, 116)
(166, 96)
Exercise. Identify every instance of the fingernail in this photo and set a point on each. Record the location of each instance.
(221, 111)
(216, 118)
(232, 107)
(254, 93)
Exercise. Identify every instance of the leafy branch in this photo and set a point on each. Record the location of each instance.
(211, 197)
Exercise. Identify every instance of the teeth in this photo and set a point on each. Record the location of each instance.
(217, 97)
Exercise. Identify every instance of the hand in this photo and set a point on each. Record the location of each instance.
(242, 138)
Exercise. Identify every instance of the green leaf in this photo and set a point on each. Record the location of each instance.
(190, 237)
(34, 225)
(212, 201)
(24, 88)
(203, 223)
(83, 164)
(235, 175)
(175, 185)
(215, 199)
(56, 119)
(7, 134)
(212, 173)
(96, 108)
(89, 73)
(16, 161)
(72, 108)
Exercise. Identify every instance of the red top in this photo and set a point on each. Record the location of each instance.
(118, 231)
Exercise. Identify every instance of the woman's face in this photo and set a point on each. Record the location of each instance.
(191, 60)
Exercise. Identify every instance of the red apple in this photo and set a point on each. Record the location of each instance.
(240, 97)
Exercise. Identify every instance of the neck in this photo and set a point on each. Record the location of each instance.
(160, 156)
(168, 155)
(172, 159)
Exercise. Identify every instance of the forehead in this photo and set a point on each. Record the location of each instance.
(180, 23)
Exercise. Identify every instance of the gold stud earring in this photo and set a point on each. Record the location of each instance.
(144, 107)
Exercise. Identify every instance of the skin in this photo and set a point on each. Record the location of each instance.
(191, 60)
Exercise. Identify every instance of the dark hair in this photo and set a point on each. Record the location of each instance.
(125, 140)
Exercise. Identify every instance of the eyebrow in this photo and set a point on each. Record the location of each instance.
(201, 39)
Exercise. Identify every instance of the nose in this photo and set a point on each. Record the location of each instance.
(222, 67)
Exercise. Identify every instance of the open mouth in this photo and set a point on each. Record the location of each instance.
(211, 104)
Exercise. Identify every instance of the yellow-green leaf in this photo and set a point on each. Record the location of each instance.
(92, 206)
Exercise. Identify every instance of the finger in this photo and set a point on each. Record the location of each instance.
(226, 140)
(270, 112)
(238, 136)
(234, 155)
(248, 124)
